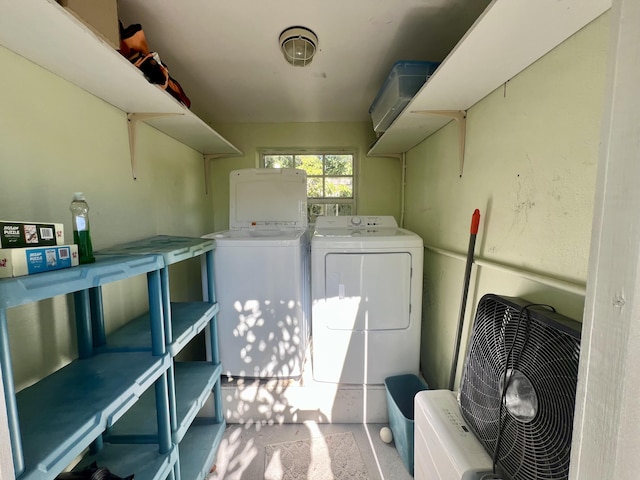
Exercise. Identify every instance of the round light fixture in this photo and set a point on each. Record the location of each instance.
(299, 45)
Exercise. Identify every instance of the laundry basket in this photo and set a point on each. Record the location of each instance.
(401, 390)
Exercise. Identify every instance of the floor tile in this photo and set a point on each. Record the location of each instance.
(241, 455)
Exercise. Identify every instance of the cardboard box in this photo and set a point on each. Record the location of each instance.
(101, 16)
(16, 262)
(30, 234)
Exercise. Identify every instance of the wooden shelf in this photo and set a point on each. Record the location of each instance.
(46, 34)
(508, 37)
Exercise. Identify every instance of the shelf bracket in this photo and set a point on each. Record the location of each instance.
(459, 116)
(207, 157)
(132, 119)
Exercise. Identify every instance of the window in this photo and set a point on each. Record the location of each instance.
(330, 179)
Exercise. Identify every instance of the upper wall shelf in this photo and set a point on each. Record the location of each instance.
(508, 37)
(43, 32)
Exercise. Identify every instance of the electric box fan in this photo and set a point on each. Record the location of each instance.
(519, 384)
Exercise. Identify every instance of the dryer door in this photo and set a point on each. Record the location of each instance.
(372, 290)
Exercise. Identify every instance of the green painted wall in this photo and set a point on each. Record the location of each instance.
(531, 155)
(58, 139)
(378, 178)
(530, 166)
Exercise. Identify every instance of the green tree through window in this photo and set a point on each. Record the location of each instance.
(330, 179)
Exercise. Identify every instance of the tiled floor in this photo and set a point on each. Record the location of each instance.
(241, 454)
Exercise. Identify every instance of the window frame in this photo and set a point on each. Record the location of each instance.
(323, 152)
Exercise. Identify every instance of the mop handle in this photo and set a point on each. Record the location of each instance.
(475, 223)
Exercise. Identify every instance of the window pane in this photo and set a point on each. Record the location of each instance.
(278, 161)
(312, 164)
(338, 165)
(314, 187)
(329, 176)
(345, 209)
(314, 210)
(331, 209)
(335, 209)
(339, 187)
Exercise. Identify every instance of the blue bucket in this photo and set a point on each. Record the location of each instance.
(401, 390)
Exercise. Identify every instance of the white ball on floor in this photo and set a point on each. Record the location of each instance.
(386, 435)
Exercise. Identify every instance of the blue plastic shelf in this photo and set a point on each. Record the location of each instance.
(143, 461)
(63, 413)
(198, 448)
(173, 249)
(194, 382)
(33, 288)
(190, 383)
(187, 320)
(105, 398)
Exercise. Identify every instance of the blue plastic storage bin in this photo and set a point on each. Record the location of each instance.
(402, 83)
(401, 390)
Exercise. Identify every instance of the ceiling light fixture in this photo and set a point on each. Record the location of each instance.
(299, 45)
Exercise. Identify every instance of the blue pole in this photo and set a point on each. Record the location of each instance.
(10, 396)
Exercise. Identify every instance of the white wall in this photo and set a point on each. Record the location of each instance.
(606, 427)
(530, 166)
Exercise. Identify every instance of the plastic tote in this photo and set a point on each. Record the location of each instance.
(402, 83)
(401, 390)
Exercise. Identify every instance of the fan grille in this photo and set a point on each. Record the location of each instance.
(512, 335)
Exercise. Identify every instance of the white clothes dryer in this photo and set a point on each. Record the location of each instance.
(366, 284)
(262, 275)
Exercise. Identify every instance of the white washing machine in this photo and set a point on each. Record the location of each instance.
(262, 275)
(366, 282)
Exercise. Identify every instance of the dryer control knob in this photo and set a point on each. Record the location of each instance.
(356, 221)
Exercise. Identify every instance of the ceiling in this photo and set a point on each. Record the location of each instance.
(226, 56)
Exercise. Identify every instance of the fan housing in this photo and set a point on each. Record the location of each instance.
(532, 350)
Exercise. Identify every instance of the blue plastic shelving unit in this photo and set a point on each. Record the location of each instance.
(55, 420)
(196, 434)
(104, 400)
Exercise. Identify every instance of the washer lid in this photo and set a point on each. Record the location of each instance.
(252, 238)
(268, 198)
